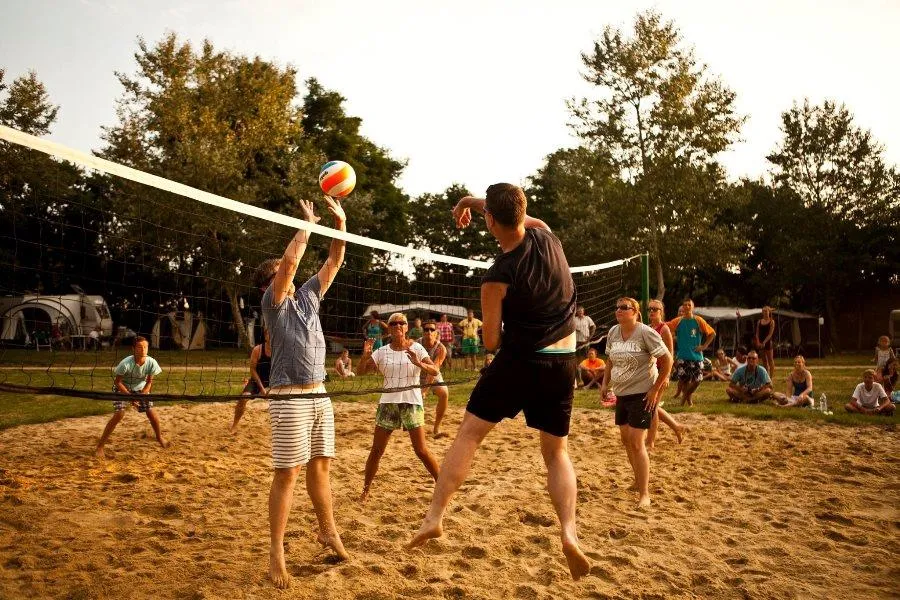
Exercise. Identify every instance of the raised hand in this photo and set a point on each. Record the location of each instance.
(413, 358)
(308, 212)
(334, 207)
(368, 345)
(462, 214)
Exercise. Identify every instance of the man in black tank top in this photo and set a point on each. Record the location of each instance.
(528, 299)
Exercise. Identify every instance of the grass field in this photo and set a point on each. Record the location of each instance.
(222, 372)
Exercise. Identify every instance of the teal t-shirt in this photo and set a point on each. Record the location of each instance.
(753, 380)
(134, 376)
(689, 335)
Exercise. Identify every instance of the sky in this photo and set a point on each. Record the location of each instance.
(472, 92)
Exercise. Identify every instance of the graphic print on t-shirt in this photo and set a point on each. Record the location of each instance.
(625, 365)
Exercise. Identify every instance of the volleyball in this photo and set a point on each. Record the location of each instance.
(337, 179)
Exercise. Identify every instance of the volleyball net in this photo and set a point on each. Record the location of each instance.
(94, 254)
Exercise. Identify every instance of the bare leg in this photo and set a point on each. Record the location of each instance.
(154, 423)
(640, 462)
(239, 409)
(689, 388)
(379, 443)
(281, 495)
(669, 420)
(318, 486)
(561, 484)
(443, 396)
(107, 431)
(623, 435)
(770, 362)
(417, 437)
(453, 472)
(654, 428)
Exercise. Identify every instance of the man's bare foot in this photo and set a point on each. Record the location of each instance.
(333, 541)
(99, 452)
(364, 495)
(233, 430)
(427, 531)
(440, 434)
(680, 432)
(165, 443)
(643, 503)
(278, 570)
(579, 566)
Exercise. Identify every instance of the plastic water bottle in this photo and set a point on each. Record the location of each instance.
(823, 403)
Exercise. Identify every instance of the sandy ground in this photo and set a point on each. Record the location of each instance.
(743, 509)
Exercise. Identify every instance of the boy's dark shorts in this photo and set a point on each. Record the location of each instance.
(630, 411)
(540, 385)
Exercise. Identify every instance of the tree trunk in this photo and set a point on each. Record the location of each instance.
(660, 282)
(237, 319)
(859, 329)
(831, 315)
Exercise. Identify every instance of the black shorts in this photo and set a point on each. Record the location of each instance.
(630, 411)
(540, 385)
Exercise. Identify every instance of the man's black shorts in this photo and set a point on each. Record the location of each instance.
(540, 385)
(630, 411)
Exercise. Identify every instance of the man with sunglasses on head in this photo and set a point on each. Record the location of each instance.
(528, 305)
(302, 425)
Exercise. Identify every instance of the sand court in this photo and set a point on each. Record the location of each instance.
(741, 509)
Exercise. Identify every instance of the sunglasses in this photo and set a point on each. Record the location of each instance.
(429, 329)
(397, 323)
(654, 309)
(624, 307)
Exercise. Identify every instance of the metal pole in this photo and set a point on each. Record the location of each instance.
(645, 285)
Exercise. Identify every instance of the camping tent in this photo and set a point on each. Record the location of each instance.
(419, 308)
(179, 331)
(25, 315)
(795, 331)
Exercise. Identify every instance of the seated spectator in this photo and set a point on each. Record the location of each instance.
(93, 342)
(721, 367)
(591, 370)
(343, 365)
(799, 386)
(740, 357)
(706, 368)
(488, 358)
(415, 332)
(750, 384)
(869, 398)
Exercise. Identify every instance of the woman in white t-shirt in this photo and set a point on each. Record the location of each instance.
(400, 362)
(633, 349)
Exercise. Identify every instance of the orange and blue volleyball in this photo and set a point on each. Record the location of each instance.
(337, 179)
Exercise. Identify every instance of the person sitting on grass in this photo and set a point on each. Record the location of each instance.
(883, 353)
(591, 370)
(869, 398)
(134, 376)
(721, 367)
(343, 366)
(750, 384)
(799, 386)
(889, 376)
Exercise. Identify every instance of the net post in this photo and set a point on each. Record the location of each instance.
(645, 285)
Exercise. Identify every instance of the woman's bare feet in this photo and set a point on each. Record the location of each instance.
(99, 452)
(643, 503)
(680, 432)
(427, 531)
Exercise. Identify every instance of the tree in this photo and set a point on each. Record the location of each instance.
(219, 122)
(847, 208)
(660, 120)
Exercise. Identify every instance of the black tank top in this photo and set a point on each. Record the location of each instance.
(264, 365)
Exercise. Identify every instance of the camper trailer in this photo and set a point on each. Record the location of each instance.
(30, 316)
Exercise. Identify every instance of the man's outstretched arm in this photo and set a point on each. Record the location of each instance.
(336, 252)
(292, 255)
(462, 213)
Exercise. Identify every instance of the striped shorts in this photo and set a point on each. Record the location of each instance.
(302, 429)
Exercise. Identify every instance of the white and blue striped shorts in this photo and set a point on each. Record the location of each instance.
(302, 429)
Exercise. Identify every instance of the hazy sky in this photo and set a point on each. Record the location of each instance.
(472, 91)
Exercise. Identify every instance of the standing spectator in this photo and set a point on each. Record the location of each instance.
(883, 353)
(869, 398)
(591, 370)
(415, 332)
(470, 342)
(445, 335)
(799, 386)
(584, 331)
(375, 329)
(763, 342)
(94, 338)
(258, 385)
(692, 336)
(750, 384)
(134, 376)
(343, 366)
